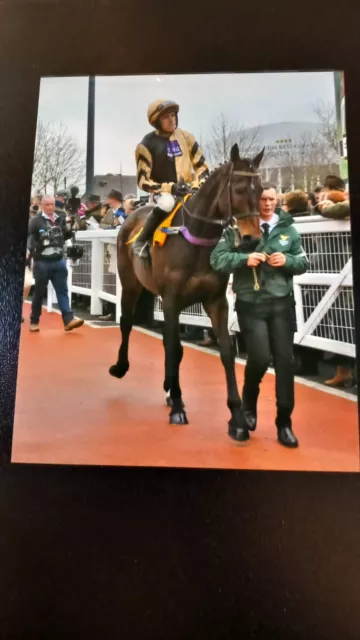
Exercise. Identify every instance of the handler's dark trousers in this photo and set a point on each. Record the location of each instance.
(268, 330)
(55, 271)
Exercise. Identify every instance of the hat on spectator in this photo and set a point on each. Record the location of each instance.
(94, 198)
(334, 183)
(116, 194)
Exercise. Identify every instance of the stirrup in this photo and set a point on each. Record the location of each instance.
(144, 252)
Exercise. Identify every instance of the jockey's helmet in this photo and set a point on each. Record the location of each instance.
(159, 108)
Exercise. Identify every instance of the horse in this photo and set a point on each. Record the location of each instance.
(180, 273)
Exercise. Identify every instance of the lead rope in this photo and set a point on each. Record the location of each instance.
(256, 281)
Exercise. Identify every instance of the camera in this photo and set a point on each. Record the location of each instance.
(51, 241)
(74, 252)
(143, 200)
(51, 237)
(73, 202)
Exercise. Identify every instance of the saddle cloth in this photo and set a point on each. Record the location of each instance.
(164, 229)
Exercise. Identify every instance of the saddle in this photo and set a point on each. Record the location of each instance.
(165, 229)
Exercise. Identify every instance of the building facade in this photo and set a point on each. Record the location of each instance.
(102, 185)
(296, 154)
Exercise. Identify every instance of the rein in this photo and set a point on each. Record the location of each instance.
(221, 221)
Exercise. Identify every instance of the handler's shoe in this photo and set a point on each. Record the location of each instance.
(34, 328)
(75, 323)
(287, 438)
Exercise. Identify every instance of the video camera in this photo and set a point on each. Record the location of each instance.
(51, 237)
(72, 203)
(143, 200)
(74, 253)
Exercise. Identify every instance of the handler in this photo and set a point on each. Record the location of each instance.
(265, 306)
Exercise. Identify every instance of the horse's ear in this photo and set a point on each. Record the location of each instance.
(256, 161)
(234, 154)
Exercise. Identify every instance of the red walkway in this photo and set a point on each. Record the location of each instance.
(70, 411)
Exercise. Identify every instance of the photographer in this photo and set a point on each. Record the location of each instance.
(47, 234)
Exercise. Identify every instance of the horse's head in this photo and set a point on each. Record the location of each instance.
(232, 192)
(241, 192)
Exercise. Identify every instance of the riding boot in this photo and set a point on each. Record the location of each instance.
(141, 246)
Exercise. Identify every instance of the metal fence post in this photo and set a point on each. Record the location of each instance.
(118, 297)
(69, 281)
(49, 298)
(97, 276)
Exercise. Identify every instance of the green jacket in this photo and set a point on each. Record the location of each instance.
(274, 281)
(337, 211)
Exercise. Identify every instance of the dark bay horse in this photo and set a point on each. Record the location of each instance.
(181, 274)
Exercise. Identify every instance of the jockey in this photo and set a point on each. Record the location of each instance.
(168, 160)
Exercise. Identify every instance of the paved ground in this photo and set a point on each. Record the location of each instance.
(87, 417)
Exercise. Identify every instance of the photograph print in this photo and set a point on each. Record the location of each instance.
(188, 295)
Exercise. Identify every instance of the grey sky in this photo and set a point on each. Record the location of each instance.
(121, 104)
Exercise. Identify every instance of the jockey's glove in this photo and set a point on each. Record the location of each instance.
(180, 189)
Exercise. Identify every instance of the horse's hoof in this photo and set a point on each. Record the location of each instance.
(240, 434)
(119, 371)
(178, 418)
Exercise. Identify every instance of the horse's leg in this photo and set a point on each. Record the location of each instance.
(169, 401)
(217, 310)
(129, 297)
(173, 357)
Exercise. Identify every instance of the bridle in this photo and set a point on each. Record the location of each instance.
(227, 221)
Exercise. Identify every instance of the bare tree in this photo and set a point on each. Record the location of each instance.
(57, 157)
(223, 136)
(326, 114)
(248, 141)
(217, 149)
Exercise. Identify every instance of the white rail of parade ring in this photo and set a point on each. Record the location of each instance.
(324, 296)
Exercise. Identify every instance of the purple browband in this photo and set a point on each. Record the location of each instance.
(202, 242)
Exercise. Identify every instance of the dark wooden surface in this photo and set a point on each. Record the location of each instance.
(121, 553)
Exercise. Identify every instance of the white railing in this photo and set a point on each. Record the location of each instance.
(96, 275)
(324, 295)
